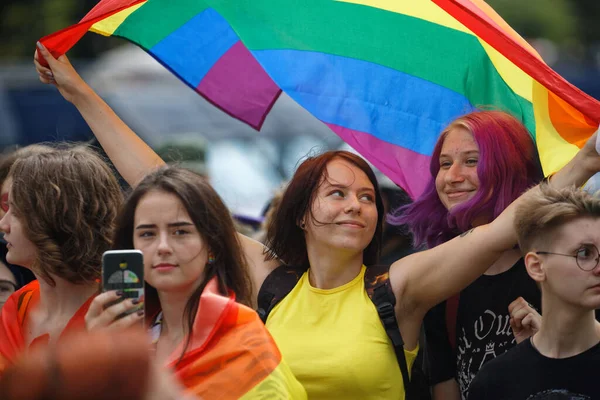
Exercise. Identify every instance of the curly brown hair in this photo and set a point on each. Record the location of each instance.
(67, 200)
(7, 159)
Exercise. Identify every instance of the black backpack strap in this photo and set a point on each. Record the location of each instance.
(276, 286)
(379, 290)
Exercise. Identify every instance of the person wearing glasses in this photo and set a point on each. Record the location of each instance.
(559, 235)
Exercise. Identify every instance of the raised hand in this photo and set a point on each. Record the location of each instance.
(59, 73)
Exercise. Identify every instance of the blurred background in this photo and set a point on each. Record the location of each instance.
(245, 168)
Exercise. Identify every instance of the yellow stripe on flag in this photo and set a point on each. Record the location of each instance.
(554, 151)
(109, 25)
(515, 78)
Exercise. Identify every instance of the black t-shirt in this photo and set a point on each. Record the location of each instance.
(525, 374)
(482, 328)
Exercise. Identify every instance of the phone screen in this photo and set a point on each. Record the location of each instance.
(124, 270)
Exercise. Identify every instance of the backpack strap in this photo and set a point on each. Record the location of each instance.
(276, 286)
(379, 290)
(451, 318)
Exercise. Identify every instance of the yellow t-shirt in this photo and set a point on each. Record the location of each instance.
(335, 344)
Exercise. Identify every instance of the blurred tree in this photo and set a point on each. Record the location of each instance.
(556, 20)
(23, 22)
(588, 12)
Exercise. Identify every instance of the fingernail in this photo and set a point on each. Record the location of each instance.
(120, 293)
(135, 301)
(40, 46)
(50, 74)
(140, 313)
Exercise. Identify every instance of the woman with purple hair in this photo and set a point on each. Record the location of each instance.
(480, 164)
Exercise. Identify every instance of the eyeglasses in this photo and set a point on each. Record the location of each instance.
(586, 256)
(6, 289)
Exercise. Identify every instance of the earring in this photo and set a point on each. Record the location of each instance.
(302, 226)
(211, 258)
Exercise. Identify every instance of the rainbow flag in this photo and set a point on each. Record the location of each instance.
(231, 355)
(385, 75)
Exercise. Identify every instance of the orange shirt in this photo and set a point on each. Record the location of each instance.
(13, 322)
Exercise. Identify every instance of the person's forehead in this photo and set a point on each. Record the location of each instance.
(459, 138)
(577, 231)
(171, 207)
(344, 172)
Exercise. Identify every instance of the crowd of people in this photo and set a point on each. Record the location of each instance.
(506, 283)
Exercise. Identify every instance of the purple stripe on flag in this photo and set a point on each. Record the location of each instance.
(406, 168)
(238, 85)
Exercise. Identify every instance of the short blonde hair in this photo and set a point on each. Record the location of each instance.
(544, 208)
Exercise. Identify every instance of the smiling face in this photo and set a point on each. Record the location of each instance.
(561, 278)
(344, 213)
(175, 254)
(457, 180)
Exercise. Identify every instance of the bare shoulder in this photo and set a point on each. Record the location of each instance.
(259, 268)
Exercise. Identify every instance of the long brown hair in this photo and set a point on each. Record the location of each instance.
(213, 221)
(67, 199)
(285, 239)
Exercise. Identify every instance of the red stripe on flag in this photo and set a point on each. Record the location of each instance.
(474, 19)
(60, 42)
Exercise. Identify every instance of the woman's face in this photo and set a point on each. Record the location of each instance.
(457, 180)
(175, 254)
(344, 210)
(21, 250)
(8, 284)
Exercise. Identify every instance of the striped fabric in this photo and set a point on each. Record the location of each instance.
(385, 75)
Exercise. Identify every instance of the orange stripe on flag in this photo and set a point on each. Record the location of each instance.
(571, 125)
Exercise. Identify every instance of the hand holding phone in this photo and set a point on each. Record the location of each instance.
(122, 302)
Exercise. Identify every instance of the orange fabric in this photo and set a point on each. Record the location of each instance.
(571, 124)
(231, 351)
(13, 322)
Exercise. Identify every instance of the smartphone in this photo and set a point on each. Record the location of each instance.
(124, 270)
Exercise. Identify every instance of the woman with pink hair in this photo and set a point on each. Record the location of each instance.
(481, 163)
